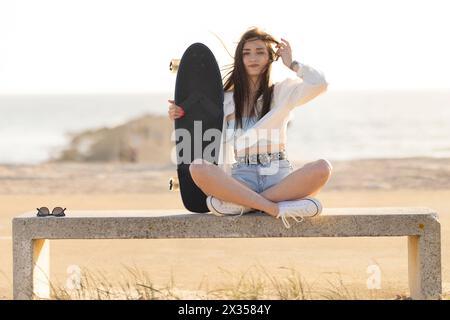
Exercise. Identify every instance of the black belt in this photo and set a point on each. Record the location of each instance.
(261, 158)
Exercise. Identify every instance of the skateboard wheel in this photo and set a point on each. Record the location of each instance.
(174, 64)
(174, 185)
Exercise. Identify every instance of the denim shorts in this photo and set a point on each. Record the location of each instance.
(259, 177)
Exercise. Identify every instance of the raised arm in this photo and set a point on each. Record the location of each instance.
(295, 92)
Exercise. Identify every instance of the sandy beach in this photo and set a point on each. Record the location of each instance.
(199, 264)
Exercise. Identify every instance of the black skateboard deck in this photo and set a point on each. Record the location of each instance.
(199, 91)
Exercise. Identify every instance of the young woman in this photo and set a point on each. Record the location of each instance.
(261, 176)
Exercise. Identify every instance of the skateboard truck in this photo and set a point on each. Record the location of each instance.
(174, 184)
(174, 64)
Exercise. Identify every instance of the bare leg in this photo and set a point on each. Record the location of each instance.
(303, 182)
(213, 181)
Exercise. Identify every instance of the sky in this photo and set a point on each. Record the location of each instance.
(112, 46)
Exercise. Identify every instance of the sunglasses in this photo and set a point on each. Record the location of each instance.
(45, 212)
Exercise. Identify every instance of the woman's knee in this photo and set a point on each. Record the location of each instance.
(324, 168)
(199, 167)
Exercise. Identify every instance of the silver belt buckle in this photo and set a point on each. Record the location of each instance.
(264, 158)
(253, 159)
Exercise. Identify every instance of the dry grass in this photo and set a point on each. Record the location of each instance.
(256, 283)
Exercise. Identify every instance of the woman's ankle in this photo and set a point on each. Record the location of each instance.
(272, 210)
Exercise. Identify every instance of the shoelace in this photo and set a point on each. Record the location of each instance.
(242, 212)
(284, 218)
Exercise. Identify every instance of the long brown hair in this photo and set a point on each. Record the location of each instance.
(237, 79)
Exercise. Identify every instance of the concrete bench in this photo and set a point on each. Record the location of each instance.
(31, 237)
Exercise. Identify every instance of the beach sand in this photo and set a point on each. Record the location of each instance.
(199, 263)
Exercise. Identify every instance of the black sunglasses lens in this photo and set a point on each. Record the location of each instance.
(44, 211)
(58, 211)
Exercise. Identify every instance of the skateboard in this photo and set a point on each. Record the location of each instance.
(199, 91)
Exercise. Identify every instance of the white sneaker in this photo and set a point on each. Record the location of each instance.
(306, 207)
(222, 208)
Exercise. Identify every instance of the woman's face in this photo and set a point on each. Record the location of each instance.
(255, 57)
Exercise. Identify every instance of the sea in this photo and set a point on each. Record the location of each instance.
(337, 125)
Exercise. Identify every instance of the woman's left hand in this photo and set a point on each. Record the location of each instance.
(285, 52)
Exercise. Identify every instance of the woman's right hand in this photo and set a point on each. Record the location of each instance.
(175, 112)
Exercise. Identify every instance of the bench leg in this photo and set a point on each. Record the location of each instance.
(424, 266)
(31, 277)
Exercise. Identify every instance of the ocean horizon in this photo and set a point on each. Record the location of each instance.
(338, 125)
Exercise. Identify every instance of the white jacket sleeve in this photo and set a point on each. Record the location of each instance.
(291, 93)
(287, 95)
(226, 152)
